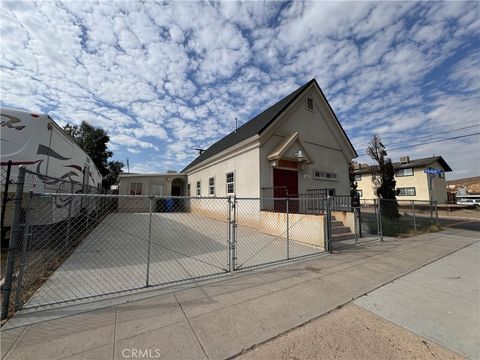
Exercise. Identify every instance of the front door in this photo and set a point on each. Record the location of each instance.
(285, 183)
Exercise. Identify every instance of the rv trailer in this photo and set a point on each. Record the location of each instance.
(36, 142)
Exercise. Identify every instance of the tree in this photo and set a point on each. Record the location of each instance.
(384, 178)
(94, 141)
(114, 169)
(353, 186)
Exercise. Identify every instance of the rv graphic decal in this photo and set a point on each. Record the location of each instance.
(12, 120)
(45, 150)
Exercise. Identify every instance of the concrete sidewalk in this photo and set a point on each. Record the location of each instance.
(221, 318)
(440, 302)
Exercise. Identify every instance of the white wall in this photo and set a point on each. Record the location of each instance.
(245, 164)
(322, 140)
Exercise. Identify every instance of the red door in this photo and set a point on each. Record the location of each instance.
(285, 183)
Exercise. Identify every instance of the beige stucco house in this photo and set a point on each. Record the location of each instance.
(297, 144)
(168, 184)
(413, 183)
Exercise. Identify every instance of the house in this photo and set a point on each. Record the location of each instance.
(168, 184)
(417, 179)
(464, 191)
(297, 146)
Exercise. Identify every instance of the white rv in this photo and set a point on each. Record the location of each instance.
(38, 143)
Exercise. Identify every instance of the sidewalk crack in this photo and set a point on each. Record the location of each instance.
(191, 327)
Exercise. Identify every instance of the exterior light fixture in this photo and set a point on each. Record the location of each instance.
(299, 156)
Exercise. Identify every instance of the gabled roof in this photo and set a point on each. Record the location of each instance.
(256, 126)
(416, 163)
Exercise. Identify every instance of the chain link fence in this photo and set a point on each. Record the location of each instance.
(74, 244)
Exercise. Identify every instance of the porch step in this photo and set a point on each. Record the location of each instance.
(340, 229)
(336, 223)
(343, 236)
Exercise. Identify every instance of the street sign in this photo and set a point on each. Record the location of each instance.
(432, 171)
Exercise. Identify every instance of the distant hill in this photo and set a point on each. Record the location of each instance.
(472, 184)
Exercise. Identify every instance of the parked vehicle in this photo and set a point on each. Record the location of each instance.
(39, 144)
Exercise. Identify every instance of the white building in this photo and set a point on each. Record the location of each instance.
(297, 144)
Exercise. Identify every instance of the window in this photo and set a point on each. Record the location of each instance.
(357, 177)
(360, 193)
(211, 186)
(158, 189)
(441, 175)
(404, 172)
(407, 191)
(324, 175)
(198, 188)
(309, 104)
(189, 191)
(136, 188)
(230, 182)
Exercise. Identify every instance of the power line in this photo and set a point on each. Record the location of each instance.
(430, 142)
(439, 133)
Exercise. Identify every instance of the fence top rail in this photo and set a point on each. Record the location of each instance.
(127, 196)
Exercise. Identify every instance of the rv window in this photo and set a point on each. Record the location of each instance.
(136, 188)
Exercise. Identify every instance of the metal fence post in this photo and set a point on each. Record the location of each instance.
(69, 213)
(147, 282)
(328, 227)
(436, 213)
(379, 219)
(5, 199)
(234, 234)
(414, 218)
(355, 226)
(230, 238)
(27, 234)
(7, 286)
(288, 231)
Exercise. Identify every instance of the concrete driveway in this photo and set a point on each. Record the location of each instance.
(114, 257)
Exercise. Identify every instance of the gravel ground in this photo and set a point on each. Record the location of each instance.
(350, 333)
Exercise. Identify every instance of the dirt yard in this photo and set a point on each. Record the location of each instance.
(350, 333)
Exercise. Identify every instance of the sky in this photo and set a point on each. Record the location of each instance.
(165, 78)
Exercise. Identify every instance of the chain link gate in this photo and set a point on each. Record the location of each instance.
(74, 246)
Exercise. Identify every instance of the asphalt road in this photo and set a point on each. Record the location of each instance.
(465, 224)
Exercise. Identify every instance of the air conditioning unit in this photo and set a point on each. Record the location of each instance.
(404, 159)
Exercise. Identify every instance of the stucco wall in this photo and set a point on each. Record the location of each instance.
(245, 164)
(323, 142)
(148, 181)
(419, 180)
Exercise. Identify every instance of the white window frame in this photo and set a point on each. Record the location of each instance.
(198, 188)
(136, 183)
(360, 193)
(407, 187)
(324, 175)
(211, 187)
(357, 177)
(401, 172)
(230, 182)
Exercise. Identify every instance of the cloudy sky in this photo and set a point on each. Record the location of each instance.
(165, 78)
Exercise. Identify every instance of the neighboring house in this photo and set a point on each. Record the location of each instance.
(169, 184)
(417, 179)
(297, 144)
